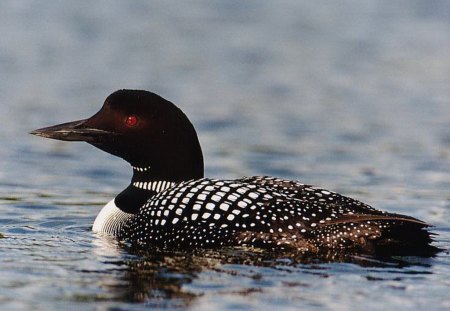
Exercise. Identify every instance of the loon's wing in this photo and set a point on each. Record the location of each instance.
(329, 219)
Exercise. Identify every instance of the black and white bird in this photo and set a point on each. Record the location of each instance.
(169, 204)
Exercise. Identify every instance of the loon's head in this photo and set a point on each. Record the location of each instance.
(144, 129)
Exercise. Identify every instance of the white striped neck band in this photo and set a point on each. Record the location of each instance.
(156, 186)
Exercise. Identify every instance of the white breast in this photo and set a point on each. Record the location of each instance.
(110, 219)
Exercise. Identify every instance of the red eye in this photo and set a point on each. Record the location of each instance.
(131, 120)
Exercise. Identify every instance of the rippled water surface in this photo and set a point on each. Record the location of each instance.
(353, 96)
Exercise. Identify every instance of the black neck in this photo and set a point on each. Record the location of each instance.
(158, 167)
(144, 185)
(132, 199)
(173, 162)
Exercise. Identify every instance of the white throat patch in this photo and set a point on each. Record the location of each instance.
(110, 219)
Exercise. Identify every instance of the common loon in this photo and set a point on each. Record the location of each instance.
(169, 203)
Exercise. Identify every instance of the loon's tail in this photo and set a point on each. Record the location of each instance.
(405, 238)
(385, 234)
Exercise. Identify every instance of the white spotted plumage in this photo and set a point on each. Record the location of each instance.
(254, 211)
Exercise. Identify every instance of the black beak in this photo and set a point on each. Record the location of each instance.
(73, 131)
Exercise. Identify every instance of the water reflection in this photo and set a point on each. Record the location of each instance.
(176, 279)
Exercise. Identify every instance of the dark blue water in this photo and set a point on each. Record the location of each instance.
(352, 96)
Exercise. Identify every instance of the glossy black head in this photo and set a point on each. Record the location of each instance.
(142, 128)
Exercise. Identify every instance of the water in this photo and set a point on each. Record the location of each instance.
(352, 96)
